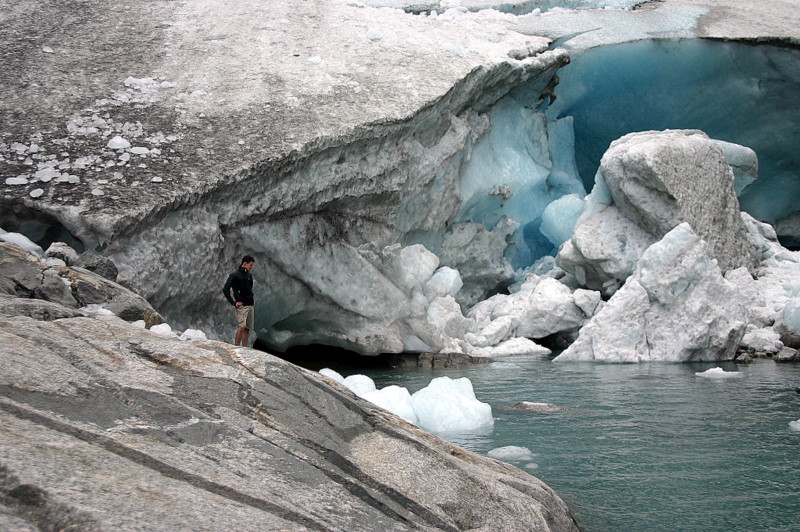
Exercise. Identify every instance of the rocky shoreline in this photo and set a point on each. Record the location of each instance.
(109, 426)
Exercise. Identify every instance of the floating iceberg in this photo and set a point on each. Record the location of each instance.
(511, 453)
(444, 405)
(718, 373)
(447, 405)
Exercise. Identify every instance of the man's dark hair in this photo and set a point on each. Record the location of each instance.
(247, 258)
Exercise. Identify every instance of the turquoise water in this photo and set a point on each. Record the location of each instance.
(649, 446)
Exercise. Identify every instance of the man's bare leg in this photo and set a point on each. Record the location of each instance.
(238, 340)
(245, 337)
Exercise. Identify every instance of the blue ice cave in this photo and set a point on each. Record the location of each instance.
(539, 158)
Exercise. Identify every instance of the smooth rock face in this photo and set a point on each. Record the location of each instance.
(676, 307)
(650, 183)
(105, 426)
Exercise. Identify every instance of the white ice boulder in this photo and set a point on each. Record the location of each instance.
(765, 339)
(445, 314)
(510, 347)
(22, 241)
(192, 334)
(445, 282)
(546, 309)
(794, 425)
(447, 405)
(676, 307)
(163, 329)
(359, 384)
(331, 374)
(396, 400)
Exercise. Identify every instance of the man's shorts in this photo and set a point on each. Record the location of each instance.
(244, 317)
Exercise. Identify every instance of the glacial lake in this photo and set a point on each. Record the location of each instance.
(645, 447)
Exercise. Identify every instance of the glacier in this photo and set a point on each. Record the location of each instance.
(422, 215)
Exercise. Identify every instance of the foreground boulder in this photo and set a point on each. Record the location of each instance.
(647, 184)
(676, 307)
(106, 426)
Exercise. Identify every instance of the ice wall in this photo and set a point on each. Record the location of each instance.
(740, 93)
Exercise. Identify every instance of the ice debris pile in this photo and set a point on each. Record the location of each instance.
(98, 148)
(444, 405)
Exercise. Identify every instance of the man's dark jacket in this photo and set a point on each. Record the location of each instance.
(241, 282)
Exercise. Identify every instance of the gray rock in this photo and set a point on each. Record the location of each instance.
(35, 308)
(56, 289)
(744, 358)
(19, 269)
(98, 429)
(97, 263)
(60, 250)
(787, 354)
(791, 339)
(23, 275)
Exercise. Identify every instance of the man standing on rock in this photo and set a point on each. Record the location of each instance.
(241, 282)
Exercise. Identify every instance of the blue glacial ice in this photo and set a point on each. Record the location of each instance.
(748, 95)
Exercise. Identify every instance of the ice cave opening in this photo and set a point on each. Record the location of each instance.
(744, 93)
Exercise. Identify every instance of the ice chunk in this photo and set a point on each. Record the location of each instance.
(22, 241)
(795, 425)
(163, 329)
(559, 218)
(140, 150)
(16, 180)
(718, 373)
(450, 405)
(118, 143)
(396, 400)
(192, 334)
(332, 374)
(676, 307)
(511, 453)
(139, 324)
(446, 281)
(359, 384)
(374, 34)
(791, 314)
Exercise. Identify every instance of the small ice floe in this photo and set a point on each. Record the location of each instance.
(794, 425)
(19, 180)
(511, 453)
(718, 373)
(537, 408)
(157, 179)
(192, 334)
